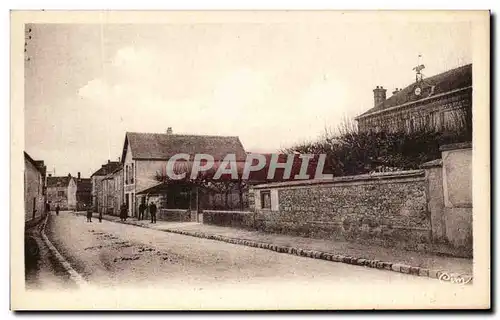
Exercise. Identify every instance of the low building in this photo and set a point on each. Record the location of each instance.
(34, 188)
(441, 102)
(61, 191)
(145, 156)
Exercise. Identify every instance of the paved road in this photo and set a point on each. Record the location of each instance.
(116, 255)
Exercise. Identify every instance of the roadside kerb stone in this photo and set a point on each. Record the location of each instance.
(377, 264)
(405, 269)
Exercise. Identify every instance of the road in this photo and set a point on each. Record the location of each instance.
(42, 270)
(116, 255)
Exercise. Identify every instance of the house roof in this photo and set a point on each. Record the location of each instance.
(111, 175)
(38, 164)
(107, 168)
(442, 83)
(163, 146)
(58, 181)
(118, 168)
(83, 185)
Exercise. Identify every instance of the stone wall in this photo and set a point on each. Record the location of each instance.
(426, 210)
(237, 219)
(178, 215)
(388, 209)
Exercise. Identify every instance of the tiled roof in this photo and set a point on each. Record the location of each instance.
(58, 181)
(163, 146)
(107, 168)
(454, 79)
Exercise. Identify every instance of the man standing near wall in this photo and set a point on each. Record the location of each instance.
(152, 211)
(142, 208)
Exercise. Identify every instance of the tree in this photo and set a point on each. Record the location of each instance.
(351, 152)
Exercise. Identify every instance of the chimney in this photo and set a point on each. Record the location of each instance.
(78, 175)
(395, 91)
(379, 95)
(169, 130)
(109, 161)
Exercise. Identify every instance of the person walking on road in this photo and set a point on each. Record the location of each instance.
(47, 207)
(89, 215)
(57, 210)
(100, 216)
(152, 212)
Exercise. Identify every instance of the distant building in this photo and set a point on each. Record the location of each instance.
(34, 188)
(83, 193)
(98, 194)
(145, 156)
(112, 186)
(440, 102)
(61, 191)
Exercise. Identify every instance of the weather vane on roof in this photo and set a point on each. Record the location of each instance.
(418, 70)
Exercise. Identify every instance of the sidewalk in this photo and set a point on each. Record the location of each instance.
(424, 264)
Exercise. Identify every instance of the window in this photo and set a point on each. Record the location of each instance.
(265, 199)
(132, 173)
(126, 174)
(60, 193)
(433, 121)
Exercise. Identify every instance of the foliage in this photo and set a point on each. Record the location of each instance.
(350, 152)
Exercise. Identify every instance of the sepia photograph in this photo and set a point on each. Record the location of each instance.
(250, 160)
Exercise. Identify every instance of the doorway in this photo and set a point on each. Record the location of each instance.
(127, 201)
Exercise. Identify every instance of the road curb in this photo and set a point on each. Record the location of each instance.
(75, 276)
(441, 275)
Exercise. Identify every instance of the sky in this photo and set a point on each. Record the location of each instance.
(271, 84)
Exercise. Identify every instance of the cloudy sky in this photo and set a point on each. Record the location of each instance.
(270, 84)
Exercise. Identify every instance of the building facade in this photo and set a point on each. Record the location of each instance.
(34, 188)
(145, 156)
(112, 187)
(72, 188)
(83, 193)
(441, 102)
(98, 193)
(61, 191)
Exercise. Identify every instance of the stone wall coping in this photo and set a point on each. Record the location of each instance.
(455, 146)
(226, 211)
(432, 164)
(174, 210)
(362, 177)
